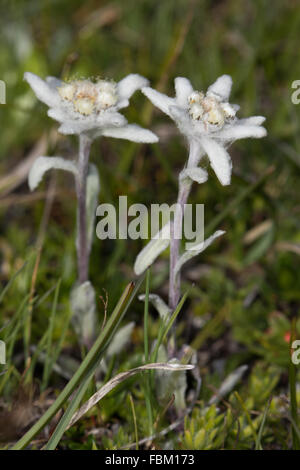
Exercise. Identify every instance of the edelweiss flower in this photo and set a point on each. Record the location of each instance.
(208, 121)
(91, 108)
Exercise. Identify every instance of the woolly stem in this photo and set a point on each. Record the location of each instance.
(82, 242)
(176, 228)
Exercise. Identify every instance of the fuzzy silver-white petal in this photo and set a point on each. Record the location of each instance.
(221, 88)
(243, 131)
(88, 123)
(161, 101)
(219, 159)
(110, 118)
(73, 127)
(128, 85)
(183, 120)
(54, 82)
(59, 114)
(252, 121)
(122, 103)
(196, 153)
(131, 132)
(42, 89)
(184, 89)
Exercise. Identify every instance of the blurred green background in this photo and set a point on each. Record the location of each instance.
(246, 287)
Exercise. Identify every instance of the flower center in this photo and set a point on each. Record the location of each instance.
(209, 109)
(88, 97)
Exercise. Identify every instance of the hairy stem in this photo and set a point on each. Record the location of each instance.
(176, 228)
(82, 242)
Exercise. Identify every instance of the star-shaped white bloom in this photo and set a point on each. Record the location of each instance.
(208, 121)
(91, 108)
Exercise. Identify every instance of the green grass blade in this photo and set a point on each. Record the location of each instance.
(11, 281)
(48, 361)
(167, 326)
(93, 355)
(73, 405)
(134, 422)
(258, 445)
(247, 415)
(147, 385)
(146, 317)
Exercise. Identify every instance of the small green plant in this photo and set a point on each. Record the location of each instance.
(206, 429)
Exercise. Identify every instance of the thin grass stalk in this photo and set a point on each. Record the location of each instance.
(93, 356)
(82, 243)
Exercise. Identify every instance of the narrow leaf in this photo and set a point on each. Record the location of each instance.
(43, 164)
(83, 306)
(120, 340)
(196, 250)
(151, 251)
(171, 367)
(228, 384)
(195, 174)
(159, 304)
